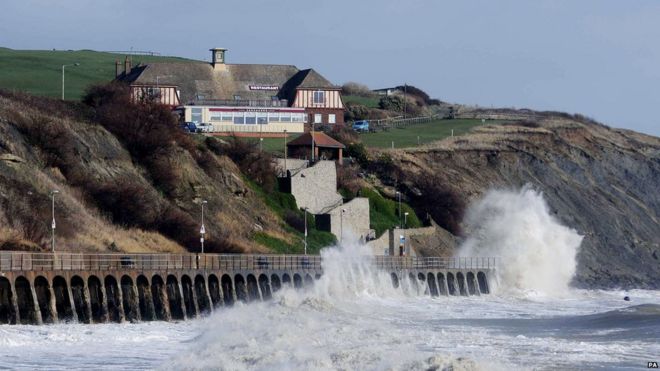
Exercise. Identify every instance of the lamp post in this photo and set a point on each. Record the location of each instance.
(398, 194)
(66, 65)
(405, 226)
(305, 231)
(202, 230)
(52, 225)
(285, 153)
(341, 227)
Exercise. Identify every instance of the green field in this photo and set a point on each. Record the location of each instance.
(410, 136)
(371, 102)
(39, 72)
(274, 145)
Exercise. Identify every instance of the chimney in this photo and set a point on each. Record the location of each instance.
(218, 57)
(117, 68)
(127, 66)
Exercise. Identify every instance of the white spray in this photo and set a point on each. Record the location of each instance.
(537, 253)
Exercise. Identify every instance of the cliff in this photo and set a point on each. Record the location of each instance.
(602, 182)
(110, 198)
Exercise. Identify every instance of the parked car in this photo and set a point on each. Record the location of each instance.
(204, 128)
(189, 127)
(361, 126)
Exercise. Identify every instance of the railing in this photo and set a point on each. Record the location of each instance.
(403, 262)
(242, 102)
(21, 261)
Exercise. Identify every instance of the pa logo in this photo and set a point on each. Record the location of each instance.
(652, 365)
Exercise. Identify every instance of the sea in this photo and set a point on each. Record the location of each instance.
(352, 318)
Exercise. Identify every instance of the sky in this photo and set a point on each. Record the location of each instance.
(600, 58)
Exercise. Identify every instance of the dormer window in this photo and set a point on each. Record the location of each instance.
(319, 97)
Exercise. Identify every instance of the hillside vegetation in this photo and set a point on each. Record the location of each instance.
(39, 72)
(129, 180)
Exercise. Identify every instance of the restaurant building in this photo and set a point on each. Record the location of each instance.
(246, 98)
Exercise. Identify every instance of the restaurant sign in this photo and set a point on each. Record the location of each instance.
(264, 87)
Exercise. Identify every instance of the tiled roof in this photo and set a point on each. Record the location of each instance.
(198, 81)
(320, 140)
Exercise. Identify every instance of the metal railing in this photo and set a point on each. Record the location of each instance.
(242, 102)
(22, 261)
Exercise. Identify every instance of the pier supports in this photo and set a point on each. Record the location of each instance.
(99, 297)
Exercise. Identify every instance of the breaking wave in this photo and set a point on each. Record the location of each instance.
(537, 254)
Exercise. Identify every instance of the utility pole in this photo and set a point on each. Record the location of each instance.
(52, 225)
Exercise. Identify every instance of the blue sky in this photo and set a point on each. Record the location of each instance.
(596, 57)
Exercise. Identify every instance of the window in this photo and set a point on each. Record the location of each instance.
(262, 118)
(285, 117)
(238, 118)
(318, 118)
(297, 117)
(332, 118)
(226, 116)
(319, 97)
(196, 114)
(250, 118)
(274, 117)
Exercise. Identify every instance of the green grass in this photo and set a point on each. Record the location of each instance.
(39, 72)
(281, 203)
(371, 102)
(274, 145)
(428, 132)
(384, 213)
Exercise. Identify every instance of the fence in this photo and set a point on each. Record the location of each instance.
(397, 122)
(20, 261)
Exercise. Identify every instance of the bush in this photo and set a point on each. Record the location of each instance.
(359, 152)
(348, 179)
(345, 135)
(354, 88)
(255, 164)
(384, 213)
(355, 112)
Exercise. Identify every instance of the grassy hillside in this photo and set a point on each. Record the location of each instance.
(405, 137)
(39, 72)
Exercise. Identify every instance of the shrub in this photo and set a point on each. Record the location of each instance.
(345, 135)
(359, 152)
(355, 112)
(255, 164)
(348, 179)
(354, 88)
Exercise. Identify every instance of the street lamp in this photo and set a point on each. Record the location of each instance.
(52, 225)
(305, 231)
(341, 227)
(398, 194)
(66, 65)
(405, 226)
(202, 230)
(285, 153)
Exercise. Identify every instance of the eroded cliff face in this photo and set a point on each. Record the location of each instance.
(602, 182)
(42, 149)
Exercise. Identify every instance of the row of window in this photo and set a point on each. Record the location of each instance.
(257, 117)
(318, 118)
